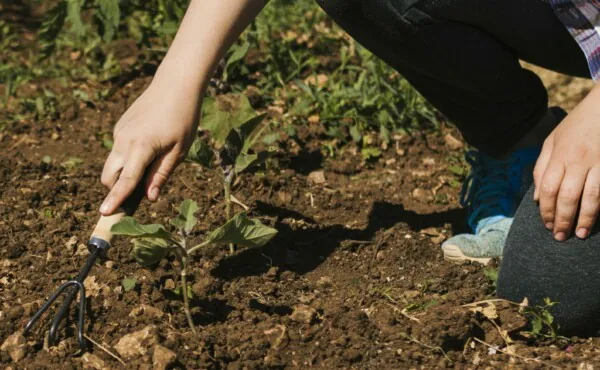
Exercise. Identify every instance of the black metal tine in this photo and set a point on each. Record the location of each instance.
(64, 310)
(78, 282)
(51, 300)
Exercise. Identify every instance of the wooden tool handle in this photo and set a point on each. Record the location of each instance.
(128, 208)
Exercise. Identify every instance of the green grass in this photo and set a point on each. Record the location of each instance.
(277, 60)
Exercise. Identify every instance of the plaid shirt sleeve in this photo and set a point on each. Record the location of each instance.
(582, 19)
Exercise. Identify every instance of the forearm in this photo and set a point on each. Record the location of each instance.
(207, 31)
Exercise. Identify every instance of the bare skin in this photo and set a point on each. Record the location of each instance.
(567, 174)
(154, 134)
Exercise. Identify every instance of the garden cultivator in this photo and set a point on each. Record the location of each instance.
(98, 245)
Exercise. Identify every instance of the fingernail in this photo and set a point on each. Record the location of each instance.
(549, 225)
(582, 233)
(154, 193)
(560, 236)
(106, 205)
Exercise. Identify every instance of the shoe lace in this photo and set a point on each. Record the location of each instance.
(486, 184)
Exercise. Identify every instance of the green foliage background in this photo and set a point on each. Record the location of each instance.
(292, 59)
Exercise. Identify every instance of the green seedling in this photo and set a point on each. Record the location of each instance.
(129, 284)
(154, 242)
(234, 129)
(492, 275)
(542, 321)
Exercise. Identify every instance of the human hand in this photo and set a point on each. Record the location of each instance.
(151, 139)
(567, 173)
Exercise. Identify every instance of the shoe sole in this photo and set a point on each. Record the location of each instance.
(453, 253)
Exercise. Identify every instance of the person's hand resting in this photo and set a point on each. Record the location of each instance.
(567, 173)
(155, 133)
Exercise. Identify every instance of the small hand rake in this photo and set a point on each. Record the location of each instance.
(98, 245)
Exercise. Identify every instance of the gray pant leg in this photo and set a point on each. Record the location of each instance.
(536, 266)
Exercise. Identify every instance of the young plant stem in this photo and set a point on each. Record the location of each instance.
(186, 302)
(184, 289)
(227, 187)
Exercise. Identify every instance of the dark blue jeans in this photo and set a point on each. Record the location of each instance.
(463, 57)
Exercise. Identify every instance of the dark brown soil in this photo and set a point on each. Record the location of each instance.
(361, 250)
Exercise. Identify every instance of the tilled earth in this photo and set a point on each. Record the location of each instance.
(354, 279)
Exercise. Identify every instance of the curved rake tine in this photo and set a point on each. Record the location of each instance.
(78, 282)
(58, 319)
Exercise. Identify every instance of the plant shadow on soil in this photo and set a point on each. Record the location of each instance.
(205, 311)
(302, 250)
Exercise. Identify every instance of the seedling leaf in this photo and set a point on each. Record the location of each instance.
(51, 27)
(243, 161)
(247, 128)
(370, 153)
(190, 292)
(149, 251)
(74, 16)
(186, 220)
(201, 153)
(128, 226)
(232, 148)
(71, 163)
(223, 113)
(110, 14)
(355, 133)
(244, 231)
(457, 170)
(128, 284)
(238, 53)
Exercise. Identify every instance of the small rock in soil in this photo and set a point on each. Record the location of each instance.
(277, 336)
(170, 284)
(163, 357)
(16, 346)
(453, 143)
(92, 288)
(91, 361)
(317, 177)
(429, 161)
(436, 235)
(422, 194)
(147, 311)
(303, 314)
(71, 243)
(420, 173)
(284, 196)
(324, 281)
(272, 273)
(15, 313)
(82, 250)
(137, 343)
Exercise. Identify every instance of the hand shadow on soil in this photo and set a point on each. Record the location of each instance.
(302, 251)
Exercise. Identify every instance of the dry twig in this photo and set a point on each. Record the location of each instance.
(515, 355)
(105, 350)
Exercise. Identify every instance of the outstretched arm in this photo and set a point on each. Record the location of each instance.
(157, 130)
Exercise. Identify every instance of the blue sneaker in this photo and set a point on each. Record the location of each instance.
(492, 192)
